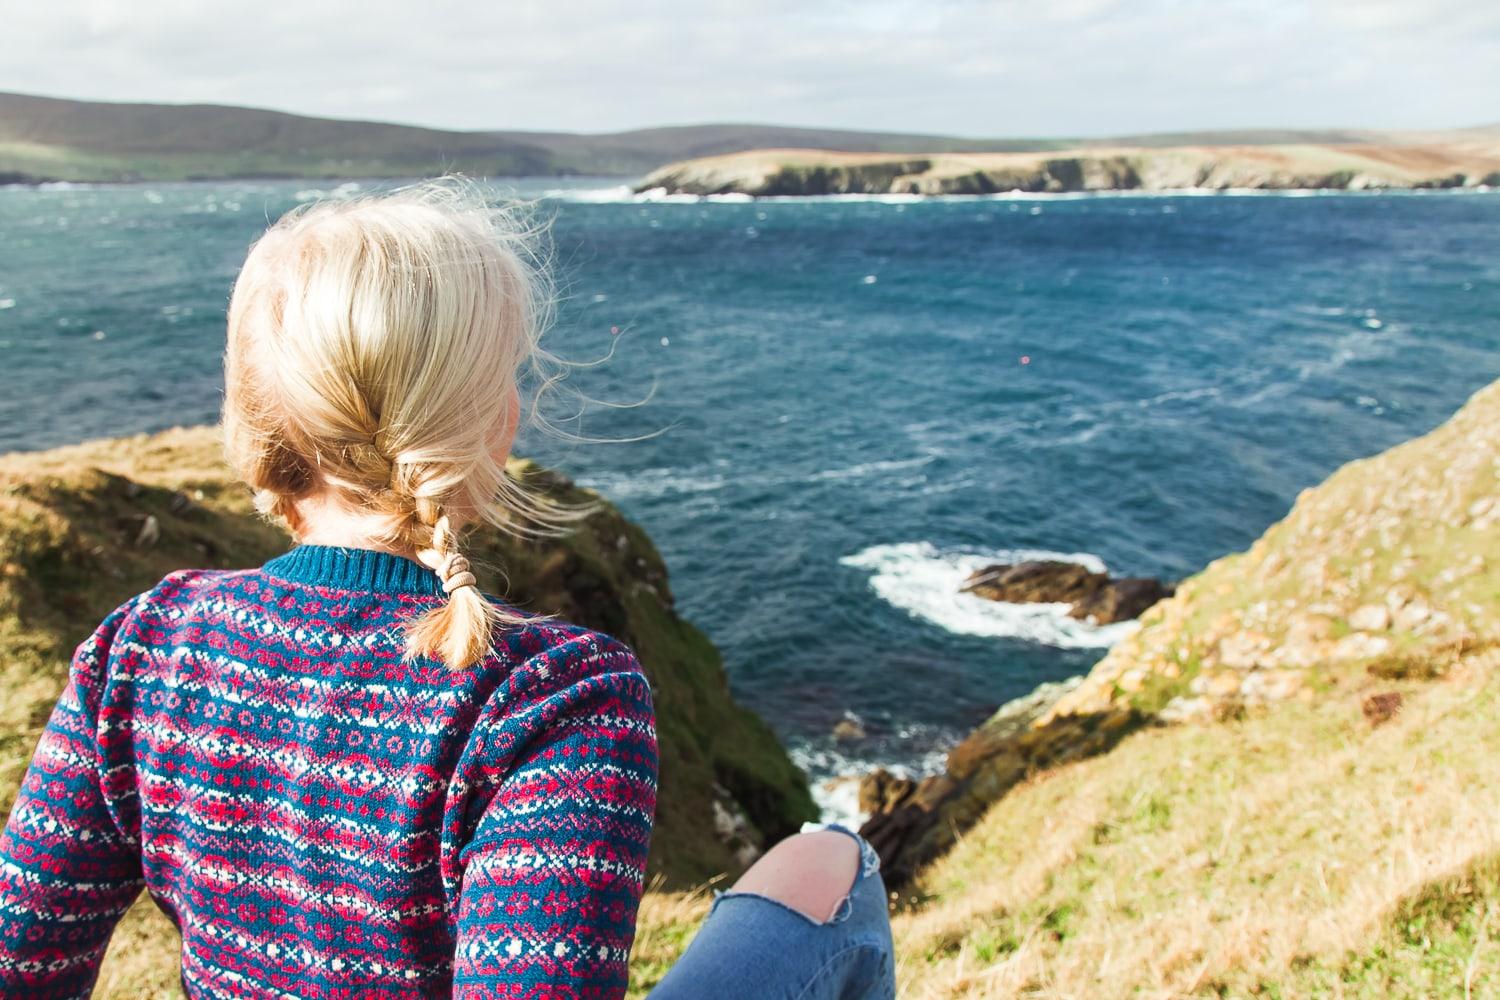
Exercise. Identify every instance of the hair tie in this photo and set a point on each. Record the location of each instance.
(452, 568)
(455, 573)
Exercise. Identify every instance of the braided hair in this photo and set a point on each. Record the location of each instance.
(375, 344)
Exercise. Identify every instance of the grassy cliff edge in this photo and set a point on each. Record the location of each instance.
(1285, 784)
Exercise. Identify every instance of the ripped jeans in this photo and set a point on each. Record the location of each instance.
(751, 947)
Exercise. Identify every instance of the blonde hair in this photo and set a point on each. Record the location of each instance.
(373, 343)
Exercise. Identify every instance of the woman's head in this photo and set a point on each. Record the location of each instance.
(374, 353)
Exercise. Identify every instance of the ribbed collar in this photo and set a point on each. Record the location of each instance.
(346, 568)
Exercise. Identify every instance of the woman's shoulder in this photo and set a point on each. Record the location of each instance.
(569, 682)
(187, 584)
(563, 652)
(173, 588)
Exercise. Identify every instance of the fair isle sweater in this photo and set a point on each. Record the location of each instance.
(320, 819)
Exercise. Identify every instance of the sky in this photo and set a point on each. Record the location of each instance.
(985, 68)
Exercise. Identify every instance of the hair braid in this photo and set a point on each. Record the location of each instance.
(459, 631)
(368, 340)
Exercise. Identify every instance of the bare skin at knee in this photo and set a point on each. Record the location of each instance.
(810, 872)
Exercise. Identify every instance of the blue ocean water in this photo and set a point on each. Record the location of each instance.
(854, 401)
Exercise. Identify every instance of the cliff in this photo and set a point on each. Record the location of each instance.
(1285, 784)
(84, 527)
(1390, 570)
(1438, 162)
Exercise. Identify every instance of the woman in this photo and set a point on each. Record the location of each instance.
(349, 772)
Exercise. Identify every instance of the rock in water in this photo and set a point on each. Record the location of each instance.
(1121, 600)
(1038, 582)
(1093, 596)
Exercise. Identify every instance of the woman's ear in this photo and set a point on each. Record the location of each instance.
(506, 426)
(291, 511)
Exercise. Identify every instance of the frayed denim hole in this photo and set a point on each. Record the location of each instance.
(845, 909)
(868, 856)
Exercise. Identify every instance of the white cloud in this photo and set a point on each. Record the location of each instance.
(977, 67)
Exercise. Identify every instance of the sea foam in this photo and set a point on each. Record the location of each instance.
(927, 583)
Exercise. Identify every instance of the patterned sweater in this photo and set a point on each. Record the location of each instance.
(320, 819)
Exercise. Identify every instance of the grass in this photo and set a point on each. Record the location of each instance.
(1218, 859)
(1399, 523)
(1296, 853)
(1442, 941)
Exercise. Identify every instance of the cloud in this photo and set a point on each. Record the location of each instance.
(975, 67)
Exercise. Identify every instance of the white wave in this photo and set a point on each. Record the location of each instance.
(836, 776)
(621, 192)
(927, 583)
(625, 194)
(865, 468)
(651, 483)
(345, 190)
(875, 197)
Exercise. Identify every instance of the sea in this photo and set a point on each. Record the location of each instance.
(827, 411)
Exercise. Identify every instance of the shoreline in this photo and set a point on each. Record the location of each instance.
(1464, 163)
(634, 195)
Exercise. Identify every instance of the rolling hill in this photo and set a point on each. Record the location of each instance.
(51, 139)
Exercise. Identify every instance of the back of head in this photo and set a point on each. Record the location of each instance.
(374, 347)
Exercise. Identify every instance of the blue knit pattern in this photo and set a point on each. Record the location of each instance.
(320, 818)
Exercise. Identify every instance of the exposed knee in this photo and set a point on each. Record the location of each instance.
(810, 872)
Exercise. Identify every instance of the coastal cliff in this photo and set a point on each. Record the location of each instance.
(1285, 784)
(801, 172)
(84, 527)
(1390, 570)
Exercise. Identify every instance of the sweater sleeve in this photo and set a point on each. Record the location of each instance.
(67, 873)
(553, 875)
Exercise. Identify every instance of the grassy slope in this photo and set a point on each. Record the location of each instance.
(1293, 849)
(50, 138)
(1416, 527)
(68, 523)
(1391, 566)
(1298, 851)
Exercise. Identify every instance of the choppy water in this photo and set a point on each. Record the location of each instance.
(860, 399)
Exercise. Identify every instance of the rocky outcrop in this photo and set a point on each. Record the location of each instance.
(913, 821)
(791, 172)
(1094, 596)
(1387, 570)
(83, 527)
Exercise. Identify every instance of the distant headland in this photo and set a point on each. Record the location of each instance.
(1466, 159)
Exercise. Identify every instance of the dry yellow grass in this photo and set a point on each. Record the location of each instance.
(1271, 856)
(1296, 852)
(1215, 859)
